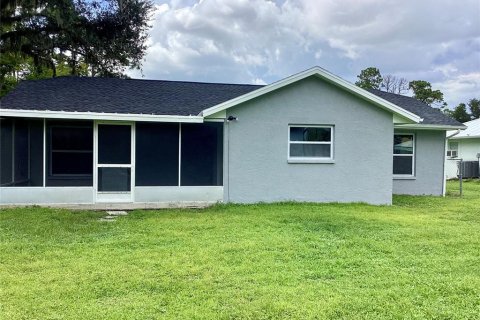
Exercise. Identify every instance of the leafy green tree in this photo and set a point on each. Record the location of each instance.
(460, 113)
(474, 106)
(369, 78)
(42, 38)
(422, 90)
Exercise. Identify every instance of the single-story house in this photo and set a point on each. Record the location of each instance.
(463, 145)
(309, 137)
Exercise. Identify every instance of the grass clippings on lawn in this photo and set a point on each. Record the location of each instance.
(419, 258)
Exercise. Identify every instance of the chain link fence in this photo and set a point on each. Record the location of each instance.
(457, 169)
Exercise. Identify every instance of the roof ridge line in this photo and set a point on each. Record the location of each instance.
(146, 80)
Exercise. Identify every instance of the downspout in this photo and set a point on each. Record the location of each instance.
(453, 134)
(444, 188)
(445, 147)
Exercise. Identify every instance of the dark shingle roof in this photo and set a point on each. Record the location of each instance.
(430, 115)
(112, 95)
(159, 97)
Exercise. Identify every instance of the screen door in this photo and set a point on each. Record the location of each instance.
(114, 169)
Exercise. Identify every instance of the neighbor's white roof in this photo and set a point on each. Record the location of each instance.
(472, 131)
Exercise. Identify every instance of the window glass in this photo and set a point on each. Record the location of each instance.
(403, 154)
(403, 144)
(156, 154)
(310, 150)
(114, 144)
(310, 134)
(402, 165)
(310, 142)
(114, 179)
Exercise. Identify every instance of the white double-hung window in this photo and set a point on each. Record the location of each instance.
(452, 151)
(404, 155)
(310, 143)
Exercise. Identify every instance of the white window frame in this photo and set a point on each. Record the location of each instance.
(414, 140)
(312, 159)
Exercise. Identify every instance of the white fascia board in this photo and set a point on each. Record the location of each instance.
(98, 116)
(420, 126)
(316, 71)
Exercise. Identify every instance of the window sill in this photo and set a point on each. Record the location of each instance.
(404, 178)
(310, 161)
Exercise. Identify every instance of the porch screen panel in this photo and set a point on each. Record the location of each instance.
(21, 152)
(202, 154)
(114, 144)
(156, 154)
(36, 153)
(21, 156)
(114, 179)
(6, 148)
(69, 153)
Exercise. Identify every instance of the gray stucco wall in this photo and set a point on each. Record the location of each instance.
(429, 161)
(256, 148)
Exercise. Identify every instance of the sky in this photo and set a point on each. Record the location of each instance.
(259, 41)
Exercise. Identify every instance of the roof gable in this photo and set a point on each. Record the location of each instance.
(404, 115)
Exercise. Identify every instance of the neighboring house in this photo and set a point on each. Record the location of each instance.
(310, 137)
(463, 145)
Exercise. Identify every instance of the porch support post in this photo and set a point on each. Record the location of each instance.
(226, 164)
(13, 151)
(95, 157)
(179, 154)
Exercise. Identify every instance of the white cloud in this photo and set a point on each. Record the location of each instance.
(258, 81)
(350, 51)
(460, 88)
(248, 41)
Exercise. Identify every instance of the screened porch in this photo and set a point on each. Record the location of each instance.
(86, 161)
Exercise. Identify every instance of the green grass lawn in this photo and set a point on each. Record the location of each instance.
(419, 258)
